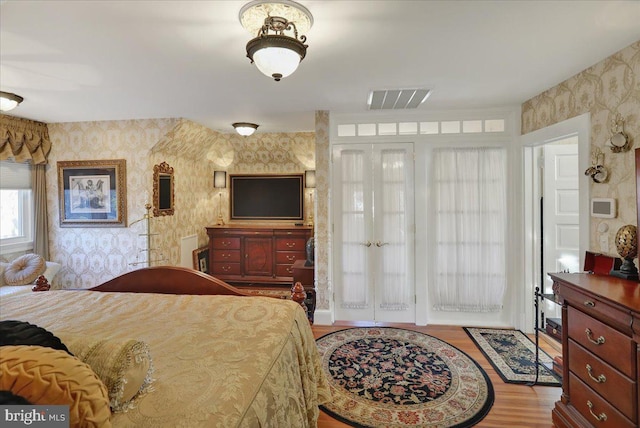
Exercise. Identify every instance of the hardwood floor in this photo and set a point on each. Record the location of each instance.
(514, 405)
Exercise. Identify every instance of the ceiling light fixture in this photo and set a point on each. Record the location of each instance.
(9, 101)
(275, 54)
(245, 128)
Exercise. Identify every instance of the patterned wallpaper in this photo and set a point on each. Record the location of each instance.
(605, 90)
(90, 256)
(274, 153)
(322, 228)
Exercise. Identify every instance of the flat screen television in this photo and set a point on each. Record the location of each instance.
(267, 197)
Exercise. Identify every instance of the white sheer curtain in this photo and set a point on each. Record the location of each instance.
(393, 282)
(355, 292)
(470, 228)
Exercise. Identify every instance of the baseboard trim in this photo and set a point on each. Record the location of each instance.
(323, 317)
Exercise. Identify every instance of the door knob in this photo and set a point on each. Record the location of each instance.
(367, 244)
(381, 244)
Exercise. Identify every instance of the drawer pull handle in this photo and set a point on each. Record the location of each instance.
(590, 303)
(291, 244)
(226, 268)
(289, 270)
(291, 258)
(600, 379)
(367, 244)
(601, 417)
(598, 341)
(226, 243)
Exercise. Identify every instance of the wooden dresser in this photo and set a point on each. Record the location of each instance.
(601, 351)
(261, 254)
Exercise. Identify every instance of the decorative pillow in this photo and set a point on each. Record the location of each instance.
(3, 266)
(24, 270)
(51, 271)
(23, 333)
(124, 366)
(48, 376)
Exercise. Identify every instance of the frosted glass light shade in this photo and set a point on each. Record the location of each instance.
(310, 179)
(219, 179)
(275, 61)
(276, 56)
(9, 101)
(245, 128)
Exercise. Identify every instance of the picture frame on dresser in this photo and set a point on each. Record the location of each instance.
(92, 193)
(201, 259)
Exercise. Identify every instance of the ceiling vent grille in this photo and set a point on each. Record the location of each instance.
(397, 99)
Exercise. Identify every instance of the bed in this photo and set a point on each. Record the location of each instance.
(221, 358)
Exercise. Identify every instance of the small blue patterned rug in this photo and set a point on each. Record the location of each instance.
(512, 354)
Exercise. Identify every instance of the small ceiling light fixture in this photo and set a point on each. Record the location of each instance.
(245, 128)
(275, 54)
(9, 101)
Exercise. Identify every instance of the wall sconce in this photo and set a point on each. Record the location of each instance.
(619, 141)
(310, 183)
(220, 182)
(597, 171)
(310, 179)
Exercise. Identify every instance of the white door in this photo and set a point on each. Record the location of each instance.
(561, 209)
(373, 245)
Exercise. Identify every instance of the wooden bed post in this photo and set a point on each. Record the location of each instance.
(299, 296)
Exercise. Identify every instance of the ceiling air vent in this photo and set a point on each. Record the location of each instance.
(397, 99)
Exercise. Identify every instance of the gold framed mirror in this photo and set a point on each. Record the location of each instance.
(163, 190)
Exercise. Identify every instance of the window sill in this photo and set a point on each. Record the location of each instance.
(17, 247)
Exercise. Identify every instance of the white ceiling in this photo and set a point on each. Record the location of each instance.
(113, 60)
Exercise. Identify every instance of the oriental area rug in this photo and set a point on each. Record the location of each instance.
(513, 355)
(391, 377)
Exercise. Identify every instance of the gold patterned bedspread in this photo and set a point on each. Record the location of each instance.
(220, 361)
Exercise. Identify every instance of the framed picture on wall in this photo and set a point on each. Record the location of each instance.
(93, 193)
(201, 259)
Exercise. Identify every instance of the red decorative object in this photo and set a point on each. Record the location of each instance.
(41, 284)
(600, 264)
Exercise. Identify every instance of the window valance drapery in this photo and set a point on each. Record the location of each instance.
(24, 140)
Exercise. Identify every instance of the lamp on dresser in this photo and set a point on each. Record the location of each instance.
(310, 183)
(220, 182)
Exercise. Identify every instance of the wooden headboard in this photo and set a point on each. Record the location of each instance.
(168, 280)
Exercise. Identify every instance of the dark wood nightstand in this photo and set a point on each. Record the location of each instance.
(304, 275)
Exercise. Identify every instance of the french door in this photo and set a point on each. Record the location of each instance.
(373, 244)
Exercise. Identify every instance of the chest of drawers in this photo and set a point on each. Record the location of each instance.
(601, 350)
(260, 254)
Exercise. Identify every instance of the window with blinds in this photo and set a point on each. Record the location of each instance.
(16, 207)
